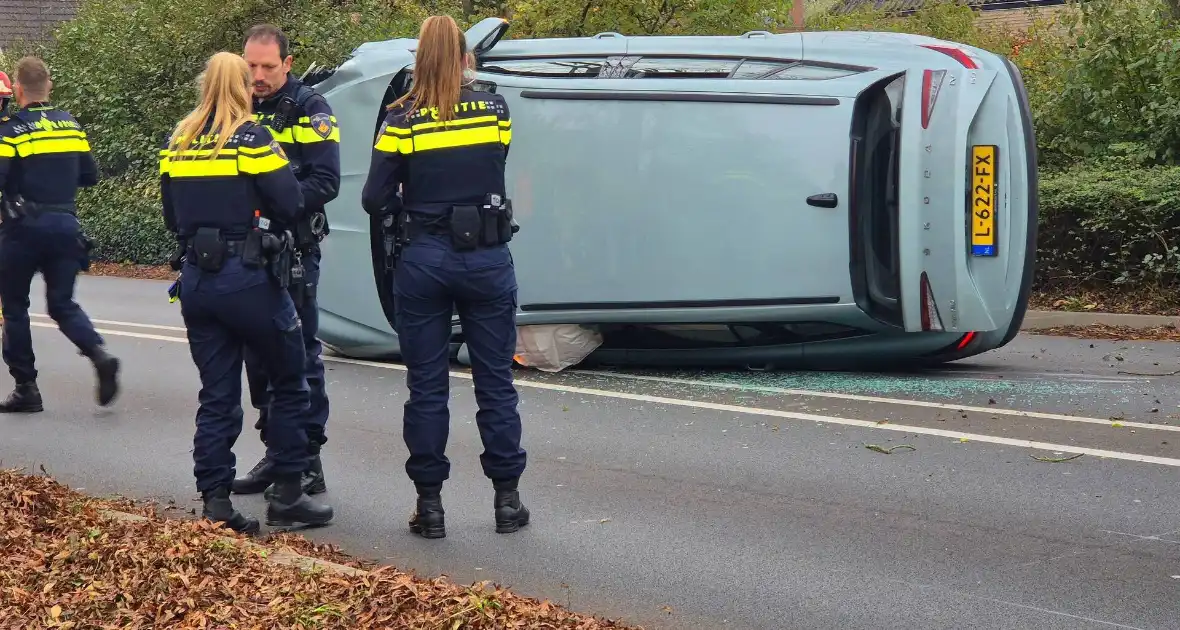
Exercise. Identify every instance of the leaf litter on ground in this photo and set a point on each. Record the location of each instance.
(67, 563)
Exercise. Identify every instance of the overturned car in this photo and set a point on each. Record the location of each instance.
(819, 199)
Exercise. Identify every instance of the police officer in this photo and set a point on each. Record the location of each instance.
(448, 157)
(44, 159)
(219, 172)
(304, 125)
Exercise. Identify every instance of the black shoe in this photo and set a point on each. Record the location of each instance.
(106, 367)
(429, 519)
(511, 514)
(26, 398)
(290, 505)
(312, 480)
(218, 508)
(258, 479)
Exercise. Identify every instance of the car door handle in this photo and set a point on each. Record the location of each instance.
(824, 200)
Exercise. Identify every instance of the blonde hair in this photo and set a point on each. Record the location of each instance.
(438, 67)
(225, 95)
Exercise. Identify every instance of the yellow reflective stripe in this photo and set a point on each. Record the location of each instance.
(452, 138)
(7, 150)
(395, 140)
(40, 135)
(462, 122)
(304, 134)
(55, 145)
(217, 167)
(284, 137)
(254, 150)
(264, 163)
(307, 119)
(505, 136)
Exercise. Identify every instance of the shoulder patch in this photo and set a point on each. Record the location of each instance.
(321, 124)
(278, 149)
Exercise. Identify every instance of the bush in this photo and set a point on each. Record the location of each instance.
(122, 214)
(1111, 223)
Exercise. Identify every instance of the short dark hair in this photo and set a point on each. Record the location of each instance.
(33, 76)
(270, 32)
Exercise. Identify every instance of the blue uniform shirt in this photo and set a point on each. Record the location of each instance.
(251, 173)
(311, 139)
(454, 163)
(44, 155)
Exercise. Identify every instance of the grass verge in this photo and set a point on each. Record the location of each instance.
(68, 563)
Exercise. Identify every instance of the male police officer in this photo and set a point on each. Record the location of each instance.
(303, 123)
(44, 159)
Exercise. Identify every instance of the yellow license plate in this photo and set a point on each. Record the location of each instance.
(983, 199)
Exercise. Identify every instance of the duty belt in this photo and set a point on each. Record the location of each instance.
(416, 224)
(37, 208)
(233, 247)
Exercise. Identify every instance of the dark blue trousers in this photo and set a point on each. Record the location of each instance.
(431, 281)
(259, 382)
(48, 244)
(226, 313)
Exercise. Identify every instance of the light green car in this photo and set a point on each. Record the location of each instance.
(820, 199)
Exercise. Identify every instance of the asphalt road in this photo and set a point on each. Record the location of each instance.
(707, 500)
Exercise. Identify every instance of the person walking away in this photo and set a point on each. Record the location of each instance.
(223, 180)
(5, 99)
(304, 125)
(44, 159)
(446, 146)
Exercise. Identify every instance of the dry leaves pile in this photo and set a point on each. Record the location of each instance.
(1107, 332)
(67, 564)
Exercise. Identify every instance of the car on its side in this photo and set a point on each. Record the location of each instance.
(827, 199)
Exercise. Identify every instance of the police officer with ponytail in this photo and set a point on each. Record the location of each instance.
(445, 146)
(223, 179)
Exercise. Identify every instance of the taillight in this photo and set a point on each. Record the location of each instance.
(931, 85)
(930, 318)
(965, 340)
(958, 54)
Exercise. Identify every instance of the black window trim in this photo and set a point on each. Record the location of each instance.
(786, 62)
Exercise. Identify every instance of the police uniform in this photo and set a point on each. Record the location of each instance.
(231, 301)
(302, 122)
(445, 171)
(44, 159)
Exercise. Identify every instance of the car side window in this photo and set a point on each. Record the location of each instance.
(571, 68)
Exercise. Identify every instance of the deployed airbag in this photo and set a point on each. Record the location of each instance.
(554, 347)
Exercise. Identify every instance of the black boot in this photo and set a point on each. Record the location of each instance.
(106, 367)
(218, 508)
(511, 514)
(258, 479)
(26, 398)
(429, 520)
(290, 505)
(312, 480)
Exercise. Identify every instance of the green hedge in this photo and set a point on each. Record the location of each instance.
(1109, 224)
(122, 215)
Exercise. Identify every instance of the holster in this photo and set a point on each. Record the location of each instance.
(87, 245)
(277, 250)
(176, 260)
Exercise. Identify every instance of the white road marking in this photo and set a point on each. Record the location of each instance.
(775, 413)
(876, 399)
(786, 391)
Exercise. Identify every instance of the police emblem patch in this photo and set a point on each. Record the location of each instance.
(321, 124)
(278, 149)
